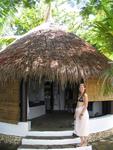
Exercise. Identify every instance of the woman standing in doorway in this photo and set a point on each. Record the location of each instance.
(81, 116)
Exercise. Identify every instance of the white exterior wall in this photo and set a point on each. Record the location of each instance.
(22, 129)
(101, 123)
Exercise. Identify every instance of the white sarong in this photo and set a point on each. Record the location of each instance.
(81, 126)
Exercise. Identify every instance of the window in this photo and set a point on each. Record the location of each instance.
(90, 106)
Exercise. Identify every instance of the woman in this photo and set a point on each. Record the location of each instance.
(81, 116)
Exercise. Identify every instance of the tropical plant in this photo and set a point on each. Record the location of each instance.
(23, 18)
(107, 82)
(100, 34)
(97, 27)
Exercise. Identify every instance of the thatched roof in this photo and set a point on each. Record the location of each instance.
(53, 53)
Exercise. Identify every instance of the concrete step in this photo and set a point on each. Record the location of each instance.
(26, 141)
(50, 137)
(50, 133)
(54, 147)
(51, 140)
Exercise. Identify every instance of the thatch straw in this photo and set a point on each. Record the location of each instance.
(51, 53)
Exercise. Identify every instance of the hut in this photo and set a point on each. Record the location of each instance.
(40, 72)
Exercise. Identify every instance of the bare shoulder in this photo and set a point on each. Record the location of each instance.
(85, 95)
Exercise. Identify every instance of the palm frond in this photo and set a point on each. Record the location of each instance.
(107, 82)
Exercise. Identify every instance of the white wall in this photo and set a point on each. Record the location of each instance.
(36, 111)
(101, 123)
(22, 128)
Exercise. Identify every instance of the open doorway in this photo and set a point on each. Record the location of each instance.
(48, 98)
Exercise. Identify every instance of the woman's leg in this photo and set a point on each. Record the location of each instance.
(85, 140)
(82, 140)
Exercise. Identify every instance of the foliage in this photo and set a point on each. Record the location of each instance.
(6, 5)
(23, 18)
(9, 7)
(99, 32)
(5, 41)
(107, 84)
(97, 25)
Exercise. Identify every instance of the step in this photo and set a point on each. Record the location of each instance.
(50, 133)
(53, 147)
(48, 146)
(49, 141)
(50, 137)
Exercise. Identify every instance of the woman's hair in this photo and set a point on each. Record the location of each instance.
(84, 89)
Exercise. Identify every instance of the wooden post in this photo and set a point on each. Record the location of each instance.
(52, 97)
(23, 100)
